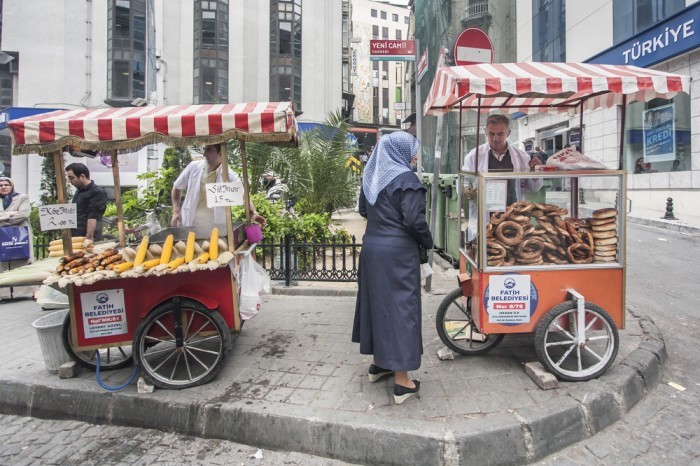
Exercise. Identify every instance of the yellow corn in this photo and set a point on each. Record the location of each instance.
(152, 263)
(175, 263)
(203, 258)
(214, 244)
(123, 267)
(141, 252)
(189, 249)
(167, 250)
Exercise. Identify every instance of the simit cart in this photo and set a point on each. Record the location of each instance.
(176, 321)
(553, 262)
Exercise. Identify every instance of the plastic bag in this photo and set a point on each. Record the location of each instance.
(254, 282)
(425, 271)
(571, 159)
(50, 298)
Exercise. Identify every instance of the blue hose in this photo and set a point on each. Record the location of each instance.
(107, 387)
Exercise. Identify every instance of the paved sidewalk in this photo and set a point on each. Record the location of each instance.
(295, 382)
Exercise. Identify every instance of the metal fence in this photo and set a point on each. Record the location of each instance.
(323, 260)
(327, 260)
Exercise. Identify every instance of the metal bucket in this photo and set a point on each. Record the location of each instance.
(49, 329)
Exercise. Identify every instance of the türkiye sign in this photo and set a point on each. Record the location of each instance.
(392, 50)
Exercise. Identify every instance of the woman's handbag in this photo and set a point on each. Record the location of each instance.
(14, 243)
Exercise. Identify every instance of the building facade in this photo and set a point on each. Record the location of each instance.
(133, 52)
(660, 34)
(438, 23)
(379, 87)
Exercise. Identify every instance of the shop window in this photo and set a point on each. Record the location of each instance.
(657, 136)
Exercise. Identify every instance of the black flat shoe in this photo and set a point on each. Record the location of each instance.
(375, 373)
(402, 393)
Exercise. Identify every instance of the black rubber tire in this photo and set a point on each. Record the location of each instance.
(88, 360)
(541, 334)
(454, 299)
(145, 349)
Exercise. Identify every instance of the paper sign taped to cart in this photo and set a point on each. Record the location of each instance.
(104, 313)
(58, 216)
(509, 299)
(224, 194)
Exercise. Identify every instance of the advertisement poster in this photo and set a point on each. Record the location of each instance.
(104, 313)
(509, 299)
(659, 134)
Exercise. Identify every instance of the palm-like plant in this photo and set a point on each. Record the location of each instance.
(314, 172)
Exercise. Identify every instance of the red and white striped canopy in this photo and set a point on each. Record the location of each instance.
(533, 87)
(131, 128)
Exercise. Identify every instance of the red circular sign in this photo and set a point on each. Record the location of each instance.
(473, 46)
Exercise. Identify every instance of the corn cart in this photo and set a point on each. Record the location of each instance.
(548, 263)
(174, 313)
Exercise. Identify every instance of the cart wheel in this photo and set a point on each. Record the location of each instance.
(556, 336)
(111, 359)
(456, 328)
(181, 349)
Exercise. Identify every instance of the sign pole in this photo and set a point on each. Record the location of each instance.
(436, 178)
(419, 113)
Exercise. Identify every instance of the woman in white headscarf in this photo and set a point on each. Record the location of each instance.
(388, 310)
(14, 211)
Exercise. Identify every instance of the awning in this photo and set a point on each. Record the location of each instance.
(131, 128)
(547, 87)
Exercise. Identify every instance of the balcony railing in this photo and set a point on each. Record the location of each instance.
(477, 9)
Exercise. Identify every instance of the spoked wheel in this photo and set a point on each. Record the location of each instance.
(111, 359)
(181, 344)
(556, 342)
(456, 328)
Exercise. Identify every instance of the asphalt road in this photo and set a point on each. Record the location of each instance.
(664, 428)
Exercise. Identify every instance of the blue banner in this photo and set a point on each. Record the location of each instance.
(659, 134)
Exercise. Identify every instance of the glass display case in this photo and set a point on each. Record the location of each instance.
(540, 220)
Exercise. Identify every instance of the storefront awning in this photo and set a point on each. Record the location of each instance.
(547, 87)
(131, 128)
(14, 113)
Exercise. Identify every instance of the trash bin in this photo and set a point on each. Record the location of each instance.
(48, 329)
(449, 188)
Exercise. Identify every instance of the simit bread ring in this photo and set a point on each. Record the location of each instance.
(604, 213)
(605, 242)
(530, 248)
(601, 221)
(495, 250)
(604, 227)
(509, 233)
(522, 207)
(604, 234)
(577, 250)
(498, 217)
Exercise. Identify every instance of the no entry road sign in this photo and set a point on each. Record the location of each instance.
(473, 46)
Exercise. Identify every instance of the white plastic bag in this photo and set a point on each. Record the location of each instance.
(425, 271)
(50, 298)
(253, 281)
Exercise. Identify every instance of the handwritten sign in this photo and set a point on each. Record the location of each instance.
(224, 194)
(58, 216)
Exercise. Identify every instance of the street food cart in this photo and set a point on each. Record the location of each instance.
(175, 315)
(553, 262)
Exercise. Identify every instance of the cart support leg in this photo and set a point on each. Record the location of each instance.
(580, 316)
(177, 323)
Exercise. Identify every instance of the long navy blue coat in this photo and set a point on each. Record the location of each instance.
(388, 310)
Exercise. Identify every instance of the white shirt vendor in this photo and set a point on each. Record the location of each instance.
(194, 177)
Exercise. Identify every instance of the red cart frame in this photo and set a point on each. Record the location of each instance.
(574, 309)
(177, 325)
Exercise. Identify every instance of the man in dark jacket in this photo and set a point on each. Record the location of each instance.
(91, 200)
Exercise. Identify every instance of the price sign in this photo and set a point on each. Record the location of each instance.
(224, 194)
(58, 216)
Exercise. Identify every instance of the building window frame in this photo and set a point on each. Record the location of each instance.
(211, 47)
(126, 51)
(286, 51)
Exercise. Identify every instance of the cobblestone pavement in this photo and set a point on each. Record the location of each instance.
(664, 428)
(26, 440)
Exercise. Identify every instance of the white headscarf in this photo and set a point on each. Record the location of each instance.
(391, 157)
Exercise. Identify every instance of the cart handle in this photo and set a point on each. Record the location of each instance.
(247, 251)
